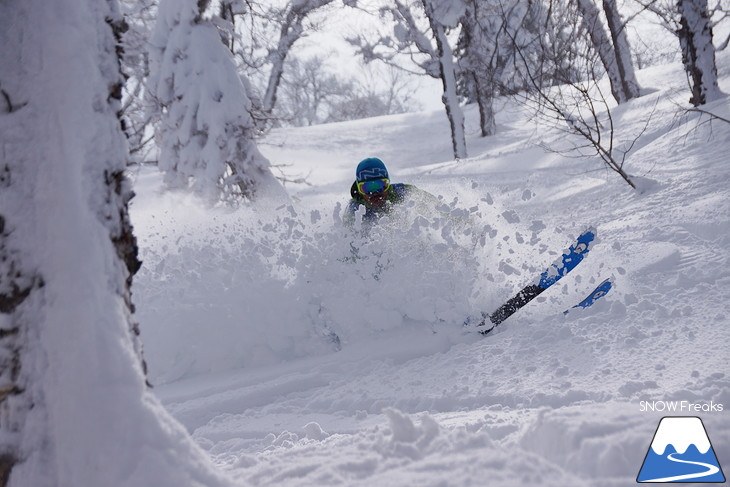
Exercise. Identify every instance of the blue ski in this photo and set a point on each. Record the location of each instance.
(565, 263)
(600, 291)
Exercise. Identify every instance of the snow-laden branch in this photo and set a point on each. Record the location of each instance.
(206, 132)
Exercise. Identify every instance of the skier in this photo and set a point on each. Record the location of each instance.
(373, 190)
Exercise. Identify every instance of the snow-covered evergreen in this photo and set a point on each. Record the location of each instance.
(206, 133)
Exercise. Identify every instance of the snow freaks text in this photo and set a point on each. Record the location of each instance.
(680, 406)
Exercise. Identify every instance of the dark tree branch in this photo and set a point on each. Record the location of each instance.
(9, 103)
(7, 100)
(710, 114)
(580, 114)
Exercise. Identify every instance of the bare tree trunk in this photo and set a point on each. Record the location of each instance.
(226, 12)
(289, 34)
(485, 100)
(584, 112)
(447, 72)
(292, 30)
(622, 50)
(476, 61)
(698, 52)
(602, 45)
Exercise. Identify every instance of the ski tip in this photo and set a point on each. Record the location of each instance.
(486, 330)
(601, 290)
(586, 240)
(589, 234)
(606, 285)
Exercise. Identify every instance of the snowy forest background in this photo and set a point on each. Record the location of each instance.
(92, 91)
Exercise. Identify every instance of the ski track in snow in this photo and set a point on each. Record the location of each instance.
(711, 470)
(543, 400)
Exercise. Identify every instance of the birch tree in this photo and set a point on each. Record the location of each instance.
(441, 15)
(479, 60)
(75, 410)
(622, 88)
(698, 51)
(565, 93)
(420, 34)
(621, 49)
(262, 37)
(292, 28)
(690, 21)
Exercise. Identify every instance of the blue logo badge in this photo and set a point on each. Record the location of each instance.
(681, 452)
(371, 173)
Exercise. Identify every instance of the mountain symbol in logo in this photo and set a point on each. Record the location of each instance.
(681, 452)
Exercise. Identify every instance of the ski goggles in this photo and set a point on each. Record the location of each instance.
(374, 186)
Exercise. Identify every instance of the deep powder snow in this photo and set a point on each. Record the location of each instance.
(238, 307)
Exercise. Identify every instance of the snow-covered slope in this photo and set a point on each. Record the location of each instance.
(236, 306)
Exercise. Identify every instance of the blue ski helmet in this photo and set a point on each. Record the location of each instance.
(371, 168)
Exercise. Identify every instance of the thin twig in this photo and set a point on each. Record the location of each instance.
(7, 100)
(710, 114)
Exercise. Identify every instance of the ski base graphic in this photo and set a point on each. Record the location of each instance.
(600, 291)
(570, 258)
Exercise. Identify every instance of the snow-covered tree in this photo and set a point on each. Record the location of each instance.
(564, 91)
(420, 33)
(441, 15)
(478, 60)
(621, 49)
(698, 51)
(137, 104)
(489, 32)
(74, 406)
(619, 69)
(206, 134)
(292, 19)
(314, 92)
(262, 36)
(690, 21)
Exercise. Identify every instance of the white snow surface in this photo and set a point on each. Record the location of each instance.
(680, 432)
(235, 305)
